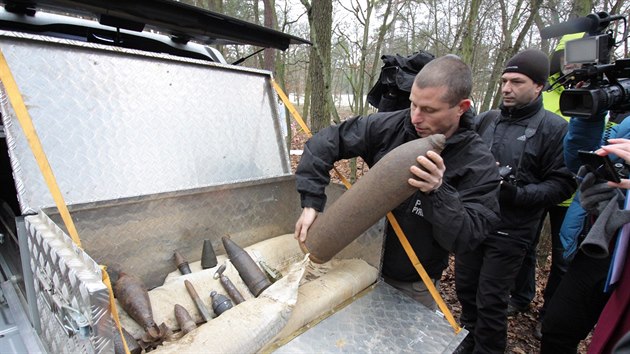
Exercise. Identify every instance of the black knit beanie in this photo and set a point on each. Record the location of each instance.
(532, 63)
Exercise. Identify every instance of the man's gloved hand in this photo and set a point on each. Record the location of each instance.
(597, 240)
(594, 192)
(507, 194)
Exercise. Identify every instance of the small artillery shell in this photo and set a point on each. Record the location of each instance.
(186, 323)
(253, 277)
(201, 307)
(182, 265)
(134, 299)
(231, 289)
(228, 285)
(220, 303)
(379, 191)
(208, 257)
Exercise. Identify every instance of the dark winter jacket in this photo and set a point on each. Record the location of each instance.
(457, 215)
(529, 140)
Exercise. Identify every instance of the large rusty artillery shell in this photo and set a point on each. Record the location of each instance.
(208, 257)
(379, 191)
(181, 264)
(253, 277)
(203, 310)
(186, 323)
(134, 299)
(228, 285)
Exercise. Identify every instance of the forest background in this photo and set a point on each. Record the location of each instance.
(332, 77)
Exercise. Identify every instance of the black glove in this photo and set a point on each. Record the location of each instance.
(594, 193)
(507, 193)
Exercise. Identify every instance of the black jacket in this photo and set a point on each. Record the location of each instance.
(530, 140)
(458, 215)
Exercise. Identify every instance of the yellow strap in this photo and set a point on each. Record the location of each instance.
(302, 124)
(392, 220)
(15, 98)
(112, 306)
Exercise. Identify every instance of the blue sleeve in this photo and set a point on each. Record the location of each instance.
(583, 134)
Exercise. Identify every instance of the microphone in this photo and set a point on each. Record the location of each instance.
(581, 24)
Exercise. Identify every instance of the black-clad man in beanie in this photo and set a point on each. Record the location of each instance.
(526, 141)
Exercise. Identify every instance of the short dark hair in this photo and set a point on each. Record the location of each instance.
(449, 71)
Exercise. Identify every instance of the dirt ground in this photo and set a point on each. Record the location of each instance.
(521, 338)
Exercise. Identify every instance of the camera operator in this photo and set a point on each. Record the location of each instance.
(526, 137)
(579, 299)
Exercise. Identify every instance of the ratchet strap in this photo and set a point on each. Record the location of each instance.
(24, 118)
(390, 217)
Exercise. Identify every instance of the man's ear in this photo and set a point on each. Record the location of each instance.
(464, 105)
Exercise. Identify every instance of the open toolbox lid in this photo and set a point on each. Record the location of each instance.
(158, 124)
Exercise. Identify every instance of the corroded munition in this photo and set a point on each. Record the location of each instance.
(133, 297)
(253, 277)
(186, 323)
(201, 307)
(132, 344)
(181, 264)
(208, 257)
(220, 303)
(376, 193)
(228, 285)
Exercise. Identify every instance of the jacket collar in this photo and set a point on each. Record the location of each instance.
(526, 111)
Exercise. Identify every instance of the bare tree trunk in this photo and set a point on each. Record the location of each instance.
(467, 48)
(320, 21)
(270, 22)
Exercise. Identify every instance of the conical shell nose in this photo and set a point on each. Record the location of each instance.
(253, 276)
(208, 257)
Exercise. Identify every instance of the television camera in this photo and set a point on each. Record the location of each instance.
(598, 85)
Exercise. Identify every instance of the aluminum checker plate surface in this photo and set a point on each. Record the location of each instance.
(65, 275)
(118, 123)
(382, 321)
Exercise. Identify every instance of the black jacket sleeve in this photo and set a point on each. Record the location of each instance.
(346, 140)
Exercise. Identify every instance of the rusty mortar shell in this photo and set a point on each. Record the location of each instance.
(253, 277)
(379, 191)
(220, 303)
(181, 264)
(132, 343)
(208, 257)
(134, 299)
(228, 285)
(186, 323)
(201, 307)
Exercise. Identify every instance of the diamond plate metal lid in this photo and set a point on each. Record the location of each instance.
(119, 123)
